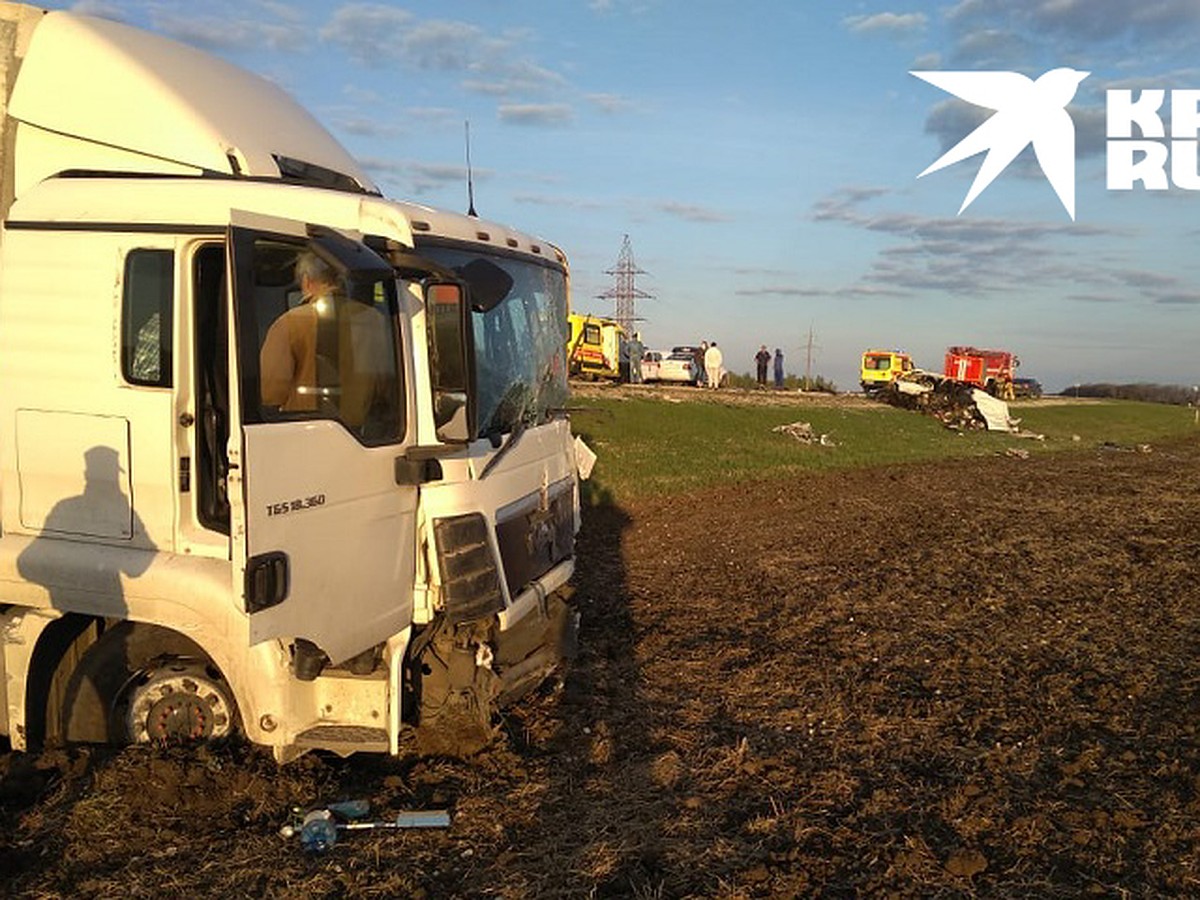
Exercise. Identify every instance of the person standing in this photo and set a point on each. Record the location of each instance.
(636, 350)
(762, 358)
(778, 369)
(698, 357)
(712, 365)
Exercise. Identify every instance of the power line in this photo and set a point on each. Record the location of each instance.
(624, 290)
(808, 357)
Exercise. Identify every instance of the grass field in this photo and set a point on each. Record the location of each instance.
(655, 446)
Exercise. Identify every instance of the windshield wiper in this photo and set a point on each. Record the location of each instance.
(509, 442)
(526, 411)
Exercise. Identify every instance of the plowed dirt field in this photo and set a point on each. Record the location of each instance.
(975, 677)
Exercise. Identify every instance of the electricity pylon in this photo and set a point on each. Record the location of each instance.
(624, 292)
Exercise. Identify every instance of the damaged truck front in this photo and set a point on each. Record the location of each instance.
(191, 550)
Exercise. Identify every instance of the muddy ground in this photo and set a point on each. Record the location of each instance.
(975, 677)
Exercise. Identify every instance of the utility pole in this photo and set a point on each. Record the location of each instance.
(624, 291)
(808, 358)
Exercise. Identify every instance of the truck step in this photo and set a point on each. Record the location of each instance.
(344, 739)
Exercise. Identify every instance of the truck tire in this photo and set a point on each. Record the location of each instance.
(175, 701)
(137, 683)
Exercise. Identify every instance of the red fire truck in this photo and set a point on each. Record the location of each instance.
(992, 370)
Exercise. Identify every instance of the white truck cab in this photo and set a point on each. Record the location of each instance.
(230, 500)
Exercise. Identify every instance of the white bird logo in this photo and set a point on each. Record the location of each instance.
(1027, 112)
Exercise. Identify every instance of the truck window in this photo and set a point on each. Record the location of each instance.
(146, 317)
(520, 369)
(212, 386)
(320, 342)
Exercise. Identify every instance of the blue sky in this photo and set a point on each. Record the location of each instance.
(763, 158)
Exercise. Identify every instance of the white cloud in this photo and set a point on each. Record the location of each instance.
(558, 201)
(513, 79)
(281, 10)
(1075, 26)
(610, 103)
(441, 45)
(783, 291)
(691, 213)
(356, 123)
(417, 178)
(216, 32)
(368, 32)
(969, 256)
(632, 7)
(887, 23)
(491, 65)
(432, 115)
(992, 48)
(535, 113)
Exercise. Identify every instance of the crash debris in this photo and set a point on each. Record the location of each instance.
(956, 404)
(318, 827)
(803, 432)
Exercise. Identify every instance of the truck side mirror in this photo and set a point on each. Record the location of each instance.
(489, 284)
(451, 361)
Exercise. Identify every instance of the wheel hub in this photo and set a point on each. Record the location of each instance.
(179, 717)
(179, 702)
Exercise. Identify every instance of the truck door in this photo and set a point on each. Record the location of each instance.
(324, 533)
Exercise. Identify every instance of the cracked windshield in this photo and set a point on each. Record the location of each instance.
(519, 343)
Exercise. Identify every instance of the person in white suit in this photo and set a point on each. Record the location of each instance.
(712, 365)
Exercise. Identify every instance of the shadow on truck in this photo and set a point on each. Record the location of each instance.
(386, 545)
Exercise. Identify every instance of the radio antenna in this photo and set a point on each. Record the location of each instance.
(470, 178)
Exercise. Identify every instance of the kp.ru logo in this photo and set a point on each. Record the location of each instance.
(1027, 112)
(1035, 112)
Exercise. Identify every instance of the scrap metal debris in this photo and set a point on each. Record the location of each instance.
(993, 411)
(803, 432)
(585, 459)
(956, 404)
(318, 827)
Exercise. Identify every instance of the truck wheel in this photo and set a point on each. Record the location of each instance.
(138, 683)
(176, 701)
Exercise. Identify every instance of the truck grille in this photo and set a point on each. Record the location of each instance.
(533, 539)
